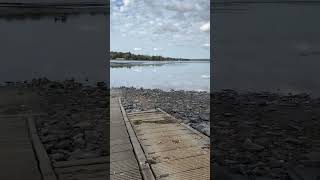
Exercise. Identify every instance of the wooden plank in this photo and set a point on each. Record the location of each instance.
(187, 126)
(200, 173)
(121, 156)
(150, 118)
(174, 149)
(126, 165)
(177, 154)
(81, 169)
(119, 141)
(164, 134)
(42, 156)
(141, 112)
(144, 167)
(18, 160)
(99, 160)
(120, 148)
(158, 130)
(146, 115)
(128, 175)
(181, 165)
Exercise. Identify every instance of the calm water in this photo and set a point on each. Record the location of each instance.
(32, 48)
(162, 75)
(258, 50)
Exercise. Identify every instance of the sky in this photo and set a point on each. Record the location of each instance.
(170, 28)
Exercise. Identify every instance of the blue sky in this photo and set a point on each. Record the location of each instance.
(172, 28)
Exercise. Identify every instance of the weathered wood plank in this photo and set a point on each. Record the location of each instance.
(42, 156)
(173, 149)
(144, 167)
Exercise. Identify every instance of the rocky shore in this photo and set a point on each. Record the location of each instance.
(190, 106)
(265, 134)
(76, 123)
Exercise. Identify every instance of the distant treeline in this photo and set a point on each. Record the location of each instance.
(130, 56)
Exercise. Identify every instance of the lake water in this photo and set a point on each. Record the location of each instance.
(165, 75)
(267, 47)
(43, 47)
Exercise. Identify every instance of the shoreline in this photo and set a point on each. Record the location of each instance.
(169, 60)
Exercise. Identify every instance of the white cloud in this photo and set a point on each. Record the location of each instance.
(206, 45)
(149, 22)
(180, 6)
(157, 49)
(205, 27)
(137, 49)
(126, 3)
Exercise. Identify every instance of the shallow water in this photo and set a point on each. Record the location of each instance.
(165, 75)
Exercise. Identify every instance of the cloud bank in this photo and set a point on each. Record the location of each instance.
(150, 24)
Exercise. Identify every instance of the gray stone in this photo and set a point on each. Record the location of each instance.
(65, 144)
(57, 156)
(249, 145)
(83, 125)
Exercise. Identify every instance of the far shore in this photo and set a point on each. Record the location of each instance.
(161, 60)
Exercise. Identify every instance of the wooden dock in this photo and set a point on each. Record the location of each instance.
(17, 156)
(123, 163)
(171, 149)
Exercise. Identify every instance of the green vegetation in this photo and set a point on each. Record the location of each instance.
(130, 56)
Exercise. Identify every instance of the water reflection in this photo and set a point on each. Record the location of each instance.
(165, 75)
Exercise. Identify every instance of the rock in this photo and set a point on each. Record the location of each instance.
(274, 163)
(228, 114)
(228, 161)
(221, 173)
(91, 136)
(223, 123)
(79, 142)
(293, 141)
(205, 117)
(314, 155)
(57, 156)
(258, 171)
(49, 138)
(82, 154)
(78, 135)
(83, 125)
(65, 144)
(249, 145)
